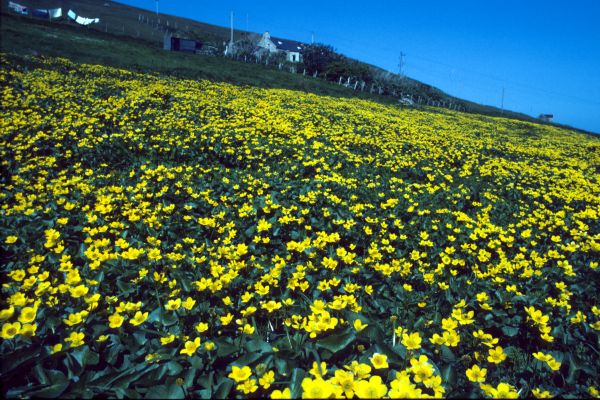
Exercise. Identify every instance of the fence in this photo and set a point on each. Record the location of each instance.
(157, 27)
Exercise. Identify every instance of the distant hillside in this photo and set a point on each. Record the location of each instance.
(144, 28)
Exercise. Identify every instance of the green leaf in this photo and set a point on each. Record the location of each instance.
(248, 359)
(447, 354)
(296, 382)
(52, 391)
(225, 348)
(172, 391)
(223, 388)
(510, 330)
(19, 357)
(85, 356)
(173, 368)
(256, 345)
(336, 343)
(449, 374)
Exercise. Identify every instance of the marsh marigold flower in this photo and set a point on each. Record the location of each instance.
(379, 361)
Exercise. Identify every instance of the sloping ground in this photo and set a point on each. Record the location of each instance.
(22, 38)
(122, 19)
(164, 237)
(121, 40)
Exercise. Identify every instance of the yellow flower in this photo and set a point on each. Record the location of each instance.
(190, 347)
(138, 318)
(240, 374)
(318, 371)
(421, 368)
(76, 339)
(248, 386)
(316, 388)
(263, 225)
(102, 338)
(189, 303)
(554, 365)
(266, 380)
(28, 314)
(73, 319)
(542, 357)
(115, 320)
(202, 327)
(10, 330)
(10, 239)
(412, 341)
(271, 306)
(79, 291)
(371, 389)
(278, 394)
(379, 361)
(358, 325)
(173, 304)
(209, 346)
(475, 374)
(346, 381)
(7, 313)
(538, 394)
(226, 319)
(403, 388)
(247, 329)
(503, 391)
(167, 339)
(496, 355)
(56, 348)
(28, 330)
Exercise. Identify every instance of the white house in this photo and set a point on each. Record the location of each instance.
(292, 49)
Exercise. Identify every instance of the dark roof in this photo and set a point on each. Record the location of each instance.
(287, 45)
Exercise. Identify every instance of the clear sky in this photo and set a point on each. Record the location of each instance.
(544, 53)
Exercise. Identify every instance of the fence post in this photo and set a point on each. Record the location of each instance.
(340, 81)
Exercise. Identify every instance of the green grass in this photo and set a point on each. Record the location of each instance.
(22, 37)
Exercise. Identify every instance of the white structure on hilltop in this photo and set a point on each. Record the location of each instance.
(291, 48)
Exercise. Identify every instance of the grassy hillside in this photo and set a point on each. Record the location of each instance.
(174, 238)
(25, 37)
(122, 24)
(122, 20)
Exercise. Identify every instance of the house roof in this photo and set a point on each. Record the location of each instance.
(287, 45)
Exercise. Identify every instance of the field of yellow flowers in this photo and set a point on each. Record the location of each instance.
(171, 238)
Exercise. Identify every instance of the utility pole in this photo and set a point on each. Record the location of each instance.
(312, 38)
(401, 64)
(156, 1)
(502, 104)
(231, 38)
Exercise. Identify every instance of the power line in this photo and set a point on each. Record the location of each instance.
(401, 64)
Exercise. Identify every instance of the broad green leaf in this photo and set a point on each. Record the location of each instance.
(338, 342)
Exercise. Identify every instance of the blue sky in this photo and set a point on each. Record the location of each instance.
(545, 54)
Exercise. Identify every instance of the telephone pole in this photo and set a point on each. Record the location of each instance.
(312, 38)
(156, 7)
(231, 38)
(502, 104)
(401, 64)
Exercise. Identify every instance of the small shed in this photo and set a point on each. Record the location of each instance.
(174, 43)
(546, 117)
